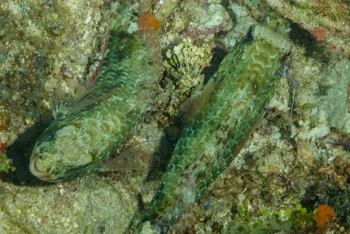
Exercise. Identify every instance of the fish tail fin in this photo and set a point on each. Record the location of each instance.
(180, 216)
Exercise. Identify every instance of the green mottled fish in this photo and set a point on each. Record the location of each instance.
(242, 88)
(87, 133)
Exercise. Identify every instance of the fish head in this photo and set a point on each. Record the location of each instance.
(61, 154)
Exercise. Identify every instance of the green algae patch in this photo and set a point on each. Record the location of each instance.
(273, 221)
(5, 163)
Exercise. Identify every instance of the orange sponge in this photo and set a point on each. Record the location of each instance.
(324, 215)
(149, 21)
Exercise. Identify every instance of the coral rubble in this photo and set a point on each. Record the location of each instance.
(291, 165)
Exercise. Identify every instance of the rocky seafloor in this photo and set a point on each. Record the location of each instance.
(294, 162)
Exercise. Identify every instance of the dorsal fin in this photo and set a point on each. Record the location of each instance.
(62, 103)
(98, 68)
(64, 96)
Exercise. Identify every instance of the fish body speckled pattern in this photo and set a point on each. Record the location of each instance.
(244, 84)
(76, 143)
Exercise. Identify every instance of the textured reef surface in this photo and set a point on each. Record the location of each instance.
(296, 160)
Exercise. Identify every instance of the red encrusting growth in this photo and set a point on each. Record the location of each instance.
(319, 33)
(2, 145)
(324, 215)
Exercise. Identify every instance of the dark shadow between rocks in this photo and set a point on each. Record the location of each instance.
(20, 152)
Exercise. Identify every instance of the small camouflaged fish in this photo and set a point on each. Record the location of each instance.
(87, 133)
(242, 88)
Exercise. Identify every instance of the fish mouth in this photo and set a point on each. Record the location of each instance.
(37, 172)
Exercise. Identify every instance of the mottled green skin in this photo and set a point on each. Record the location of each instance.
(74, 145)
(244, 85)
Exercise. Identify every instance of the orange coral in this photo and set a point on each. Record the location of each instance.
(324, 215)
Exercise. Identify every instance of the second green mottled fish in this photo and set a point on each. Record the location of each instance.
(241, 91)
